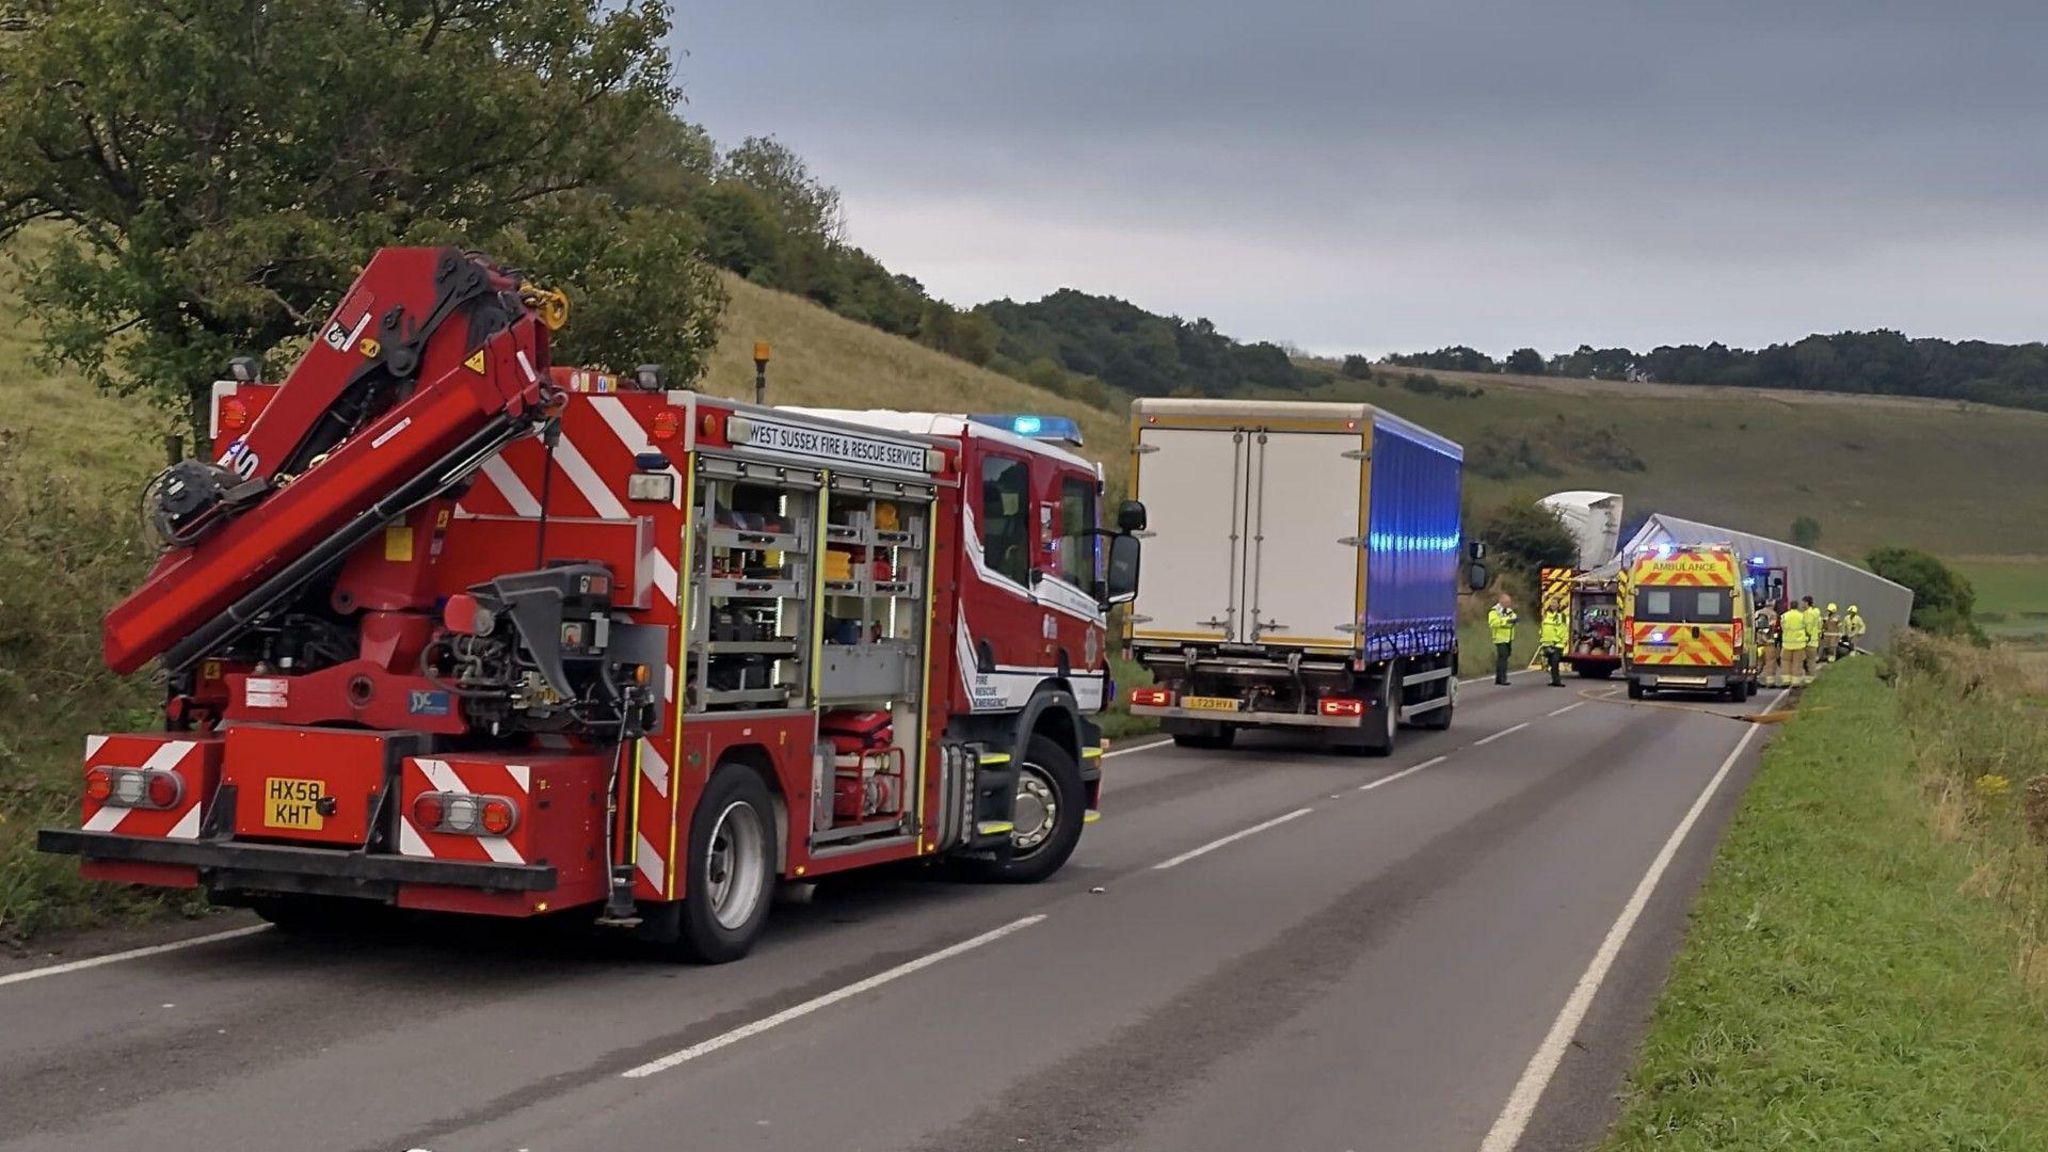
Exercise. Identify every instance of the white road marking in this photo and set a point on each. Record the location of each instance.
(1565, 709)
(1485, 740)
(131, 954)
(1233, 838)
(1430, 763)
(746, 1031)
(1138, 748)
(1521, 1104)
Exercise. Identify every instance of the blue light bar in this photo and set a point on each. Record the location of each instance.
(1058, 429)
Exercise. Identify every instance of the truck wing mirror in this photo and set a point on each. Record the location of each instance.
(1121, 585)
(1477, 577)
(1475, 550)
(1130, 517)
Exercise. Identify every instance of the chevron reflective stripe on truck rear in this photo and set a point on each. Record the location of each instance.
(1668, 645)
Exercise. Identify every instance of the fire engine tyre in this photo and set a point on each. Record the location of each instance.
(1051, 806)
(1635, 689)
(731, 868)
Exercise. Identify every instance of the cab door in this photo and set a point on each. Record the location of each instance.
(1069, 567)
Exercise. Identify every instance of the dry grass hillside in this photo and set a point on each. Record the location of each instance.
(820, 359)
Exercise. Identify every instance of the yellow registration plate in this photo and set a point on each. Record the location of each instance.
(294, 804)
(1211, 703)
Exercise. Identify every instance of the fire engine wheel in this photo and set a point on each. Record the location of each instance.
(732, 867)
(1050, 808)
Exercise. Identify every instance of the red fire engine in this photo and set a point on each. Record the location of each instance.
(448, 628)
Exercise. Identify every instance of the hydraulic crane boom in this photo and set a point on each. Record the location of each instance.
(433, 361)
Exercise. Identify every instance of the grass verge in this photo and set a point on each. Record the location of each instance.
(1853, 976)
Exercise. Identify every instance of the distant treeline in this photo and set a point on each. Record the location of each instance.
(1883, 362)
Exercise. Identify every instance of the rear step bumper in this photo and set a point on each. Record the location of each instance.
(1275, 719)
(272, 867)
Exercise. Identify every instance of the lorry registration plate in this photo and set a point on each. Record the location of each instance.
(1211, 703)
(293, 803)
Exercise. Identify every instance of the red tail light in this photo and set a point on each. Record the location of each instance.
(99, 784)
(1738, 633)
(1341, 706)
(163, 789)
(465, 814)
(427, 811)
(667, 426)
(1151, 697)
(234, 415)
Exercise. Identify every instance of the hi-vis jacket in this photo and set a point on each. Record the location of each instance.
(1500, 622)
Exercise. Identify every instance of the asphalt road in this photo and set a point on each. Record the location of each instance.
(1271, 948)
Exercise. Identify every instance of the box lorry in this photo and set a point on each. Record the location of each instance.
(1306, 566)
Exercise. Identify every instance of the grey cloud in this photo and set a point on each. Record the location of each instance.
(1533, 173)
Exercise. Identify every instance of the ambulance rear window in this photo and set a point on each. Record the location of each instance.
(1684, 605)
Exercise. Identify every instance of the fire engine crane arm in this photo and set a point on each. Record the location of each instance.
(371, 422)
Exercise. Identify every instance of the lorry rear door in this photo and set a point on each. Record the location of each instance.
(1305, 543)
(1193, 483)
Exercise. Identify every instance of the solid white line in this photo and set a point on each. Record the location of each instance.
(745, 1031)
(1565, 709)
(131, 954)
(1430, 763)
(1521, 1105)
(1137, 748)
(1485, 740)
(1233, 838)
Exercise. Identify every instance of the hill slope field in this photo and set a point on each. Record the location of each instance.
(1953, 479)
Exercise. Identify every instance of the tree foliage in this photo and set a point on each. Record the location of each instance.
(1454, 359)
(1806, 532)
(1524, 361)
(1138, 352)
(1943, 600)
(221, 167)
(1525, 538)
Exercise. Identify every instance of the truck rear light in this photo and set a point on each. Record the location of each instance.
(465, 814)
(667, 426)
(1341, 706)
(499, 816)
(1151, 697)
(134, 787)
(234, 414)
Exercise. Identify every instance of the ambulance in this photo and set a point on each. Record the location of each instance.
(1685, 620)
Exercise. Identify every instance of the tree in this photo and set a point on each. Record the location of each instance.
(1525, 362)
(214, 196)
(1357, 367)
(1806, 532)
(1943, 600)
(805, 206)
(1526, 538)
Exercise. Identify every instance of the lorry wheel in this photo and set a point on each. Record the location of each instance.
(1439, 719)
(1218, 737)
(1635, 690)
(1051, 806)
(731, 877)
(1382, 727)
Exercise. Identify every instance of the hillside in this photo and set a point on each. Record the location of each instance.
(1952, 478)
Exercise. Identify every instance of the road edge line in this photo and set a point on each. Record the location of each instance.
(1528, 1091)
(746, 1031)
(131, 954)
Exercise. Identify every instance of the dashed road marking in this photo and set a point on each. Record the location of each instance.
(1234, 837)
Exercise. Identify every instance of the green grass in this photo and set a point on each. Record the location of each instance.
(2012, 597)
(1845, 983)
(1935, 476)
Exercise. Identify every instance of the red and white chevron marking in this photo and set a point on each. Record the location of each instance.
(185, 756)
(476, 777)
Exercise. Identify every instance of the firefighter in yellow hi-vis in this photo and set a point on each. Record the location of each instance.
(1553, 638)
(1763, 630)
(1797, 645)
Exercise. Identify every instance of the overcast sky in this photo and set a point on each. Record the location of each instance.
(1397, 176)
